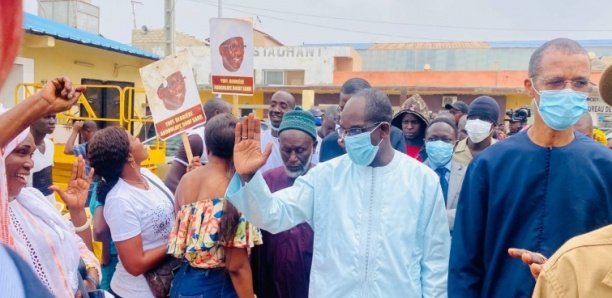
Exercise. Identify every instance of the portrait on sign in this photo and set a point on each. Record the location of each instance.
(231, 46)
(171, 91)
(172, 95)
(231, 50)
(232, 53)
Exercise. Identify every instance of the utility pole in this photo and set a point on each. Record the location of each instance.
(169, 26)
(220, 6)
(134, 11)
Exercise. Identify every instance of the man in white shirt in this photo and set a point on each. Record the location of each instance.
(42, 173)
(380, 227)
(280, 103)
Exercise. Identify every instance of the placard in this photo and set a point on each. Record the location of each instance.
(172, 95)
(231, 51)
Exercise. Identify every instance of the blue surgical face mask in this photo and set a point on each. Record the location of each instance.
(560, 109)
(360, 149)
(439, 153)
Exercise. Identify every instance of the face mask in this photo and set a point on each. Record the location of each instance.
(360, 149)
(439, 153)
(560, 109)
(478, 130)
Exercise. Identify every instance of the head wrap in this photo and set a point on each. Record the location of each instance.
(300, 120)
(5, 236)
(14, 142)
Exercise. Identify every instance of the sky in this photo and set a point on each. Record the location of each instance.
(296, 22)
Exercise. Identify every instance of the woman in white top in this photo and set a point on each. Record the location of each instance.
(41, 235)
(138, 208)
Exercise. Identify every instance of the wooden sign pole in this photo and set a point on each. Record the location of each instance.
(185, 139)
(235, 106)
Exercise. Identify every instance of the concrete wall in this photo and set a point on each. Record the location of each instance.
(511, 79)
(317, 63)
(22, 71)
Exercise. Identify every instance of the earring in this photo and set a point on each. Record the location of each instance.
(133, 164)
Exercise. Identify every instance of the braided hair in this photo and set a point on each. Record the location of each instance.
(108, 152)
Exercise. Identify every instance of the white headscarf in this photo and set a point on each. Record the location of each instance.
(5, 236)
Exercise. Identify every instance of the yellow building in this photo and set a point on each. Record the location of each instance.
(50, 49)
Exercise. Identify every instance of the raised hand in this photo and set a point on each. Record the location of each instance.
(60, 94)
(77, 126)
(248, 157)
(532, 259)
(194, 164)
(75, 195)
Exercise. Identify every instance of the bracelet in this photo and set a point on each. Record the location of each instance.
(92, 280)
(84, 227)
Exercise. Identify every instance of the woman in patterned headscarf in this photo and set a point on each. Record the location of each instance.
(41, 235)
(58, 95)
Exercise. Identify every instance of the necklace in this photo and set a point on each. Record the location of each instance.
(141, 182)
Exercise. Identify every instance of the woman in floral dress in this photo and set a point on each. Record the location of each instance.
(209, 234)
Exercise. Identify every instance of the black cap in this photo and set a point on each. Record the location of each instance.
(484, 107)
(458, 105)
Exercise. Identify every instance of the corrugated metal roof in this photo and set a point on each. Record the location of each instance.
(430, 45)
(42, 26)
(587, 43)
(356, 46)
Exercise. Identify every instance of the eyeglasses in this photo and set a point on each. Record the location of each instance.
(445, 140)
(356, 130)
(233, 47)
(582, 85)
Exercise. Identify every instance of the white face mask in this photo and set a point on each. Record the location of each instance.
(478, 130)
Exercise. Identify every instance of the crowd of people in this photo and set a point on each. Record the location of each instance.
(348, 201)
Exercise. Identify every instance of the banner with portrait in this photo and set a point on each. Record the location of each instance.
(231, 51)
(172, 95)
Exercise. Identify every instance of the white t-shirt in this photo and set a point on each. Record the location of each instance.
(200, 132)
(275, 159)
(42, 170)
(317, 152)
(130, 211)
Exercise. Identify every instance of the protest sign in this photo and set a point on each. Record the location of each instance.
(172, 95)
(231, 49)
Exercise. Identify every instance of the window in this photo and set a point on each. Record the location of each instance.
(274, 77)
(284, 77)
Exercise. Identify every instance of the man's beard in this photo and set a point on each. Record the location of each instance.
(295, 174)
(303, 169)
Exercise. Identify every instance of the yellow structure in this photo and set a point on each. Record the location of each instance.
(50, 49)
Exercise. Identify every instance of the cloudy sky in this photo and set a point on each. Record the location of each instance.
(296, 22)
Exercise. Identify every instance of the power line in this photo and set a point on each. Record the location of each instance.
(330, 27)
(407, 24)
